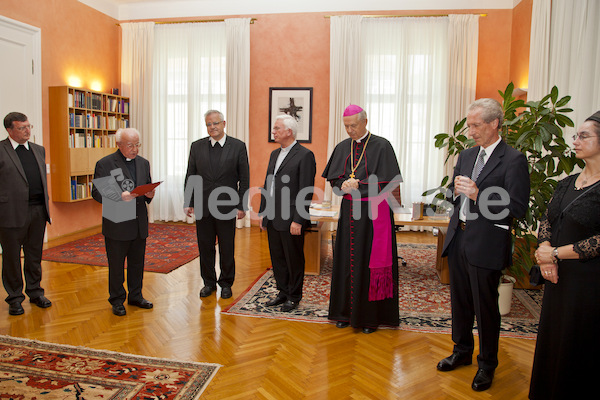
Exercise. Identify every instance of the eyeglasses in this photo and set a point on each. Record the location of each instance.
(132, 146)
(581, 136)
(209, 124)
(24, 128)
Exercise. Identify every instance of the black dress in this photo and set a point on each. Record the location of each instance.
(567, 351)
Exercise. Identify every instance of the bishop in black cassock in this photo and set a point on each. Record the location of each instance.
(364, 285)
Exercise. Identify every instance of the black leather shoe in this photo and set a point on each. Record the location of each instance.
(15, 309)
(289, 306)
(483, 379)
(119, 310)
(342, 324)
(207, 291)
(143, 303)
(369, 330)
(455, 360)
(226, 292)
(41, 302)
(276, 301)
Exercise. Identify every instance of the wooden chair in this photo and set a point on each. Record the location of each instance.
(398, 228)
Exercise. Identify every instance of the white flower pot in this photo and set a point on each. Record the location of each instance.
(505, 293)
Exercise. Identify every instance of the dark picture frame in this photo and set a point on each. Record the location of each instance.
(294, 101)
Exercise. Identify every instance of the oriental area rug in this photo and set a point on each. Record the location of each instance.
(168, 247)
(424, 300)
(37, 370)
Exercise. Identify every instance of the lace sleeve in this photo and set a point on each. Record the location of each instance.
(545, 231)
(588, 248)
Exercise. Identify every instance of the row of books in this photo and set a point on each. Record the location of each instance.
(80, 190)
(94, 121)
(94, 101)
(117, 105)
(87, 139)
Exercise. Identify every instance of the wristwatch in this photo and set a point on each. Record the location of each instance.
(555, 255)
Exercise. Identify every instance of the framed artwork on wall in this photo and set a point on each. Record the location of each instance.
(294, 101)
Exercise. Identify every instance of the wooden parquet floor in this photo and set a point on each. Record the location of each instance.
(261, 358)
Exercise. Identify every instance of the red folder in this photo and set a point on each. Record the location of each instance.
(143, 189)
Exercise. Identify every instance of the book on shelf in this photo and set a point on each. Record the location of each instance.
(80, 190)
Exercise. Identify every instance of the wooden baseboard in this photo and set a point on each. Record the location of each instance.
(69, 237)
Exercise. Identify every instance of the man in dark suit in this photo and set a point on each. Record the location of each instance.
(490, 188)
(284, 210)
(23, 213)
(219, 165)
(124, 219)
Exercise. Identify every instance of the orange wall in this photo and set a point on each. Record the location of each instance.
(519, 55)
(76, 41)
(286, 50)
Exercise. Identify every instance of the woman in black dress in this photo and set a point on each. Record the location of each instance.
(567, 353)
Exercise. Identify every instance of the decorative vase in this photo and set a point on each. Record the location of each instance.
(505, 290)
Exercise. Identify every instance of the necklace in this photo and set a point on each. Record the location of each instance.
(585, 180)
(361, 155)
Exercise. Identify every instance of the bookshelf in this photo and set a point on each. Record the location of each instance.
(83, 124)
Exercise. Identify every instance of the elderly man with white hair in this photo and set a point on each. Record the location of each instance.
(125, 237)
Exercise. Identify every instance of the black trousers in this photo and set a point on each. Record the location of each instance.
(287, 258)
(473, 293)
(31, 238)
(208, 229)
(117, 251)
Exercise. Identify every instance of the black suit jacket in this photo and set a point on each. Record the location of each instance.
(233, 172)
(127, 230)
(489, 244)
(14, 188)
(300, 167)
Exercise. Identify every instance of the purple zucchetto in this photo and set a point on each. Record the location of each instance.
(352, 109)
(593, 117)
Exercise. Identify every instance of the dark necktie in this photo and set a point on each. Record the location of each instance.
(478, 166)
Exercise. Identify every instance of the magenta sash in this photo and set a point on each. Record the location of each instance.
(381, 285)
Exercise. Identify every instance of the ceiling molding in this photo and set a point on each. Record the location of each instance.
(127, 10)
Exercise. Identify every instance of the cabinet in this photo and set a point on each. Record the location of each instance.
(83, 124)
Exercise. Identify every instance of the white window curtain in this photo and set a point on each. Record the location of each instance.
(345, 85)
(399, 71)
(405, 89)
(189, 79)
(573, 56)
(238, 78)
(463, 45)
(136, 78)
(539, 49)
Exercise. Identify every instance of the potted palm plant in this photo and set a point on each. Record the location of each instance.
(536, 129)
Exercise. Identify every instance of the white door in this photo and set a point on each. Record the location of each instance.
(21, 74)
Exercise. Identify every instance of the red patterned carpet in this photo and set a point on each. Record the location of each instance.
(168, 247)
(38, 370)
(424, 301)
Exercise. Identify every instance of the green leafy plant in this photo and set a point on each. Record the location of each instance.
(535, 128)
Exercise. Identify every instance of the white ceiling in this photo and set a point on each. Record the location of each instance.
(125, 10)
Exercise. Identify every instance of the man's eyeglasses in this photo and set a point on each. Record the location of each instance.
(24, 128)
(582, 136)
(209, 124)
(132, 146)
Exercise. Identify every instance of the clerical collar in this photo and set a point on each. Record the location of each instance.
(15, 144)
(364, 136)
(221, 141)
(123, 156)
(288, 148)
